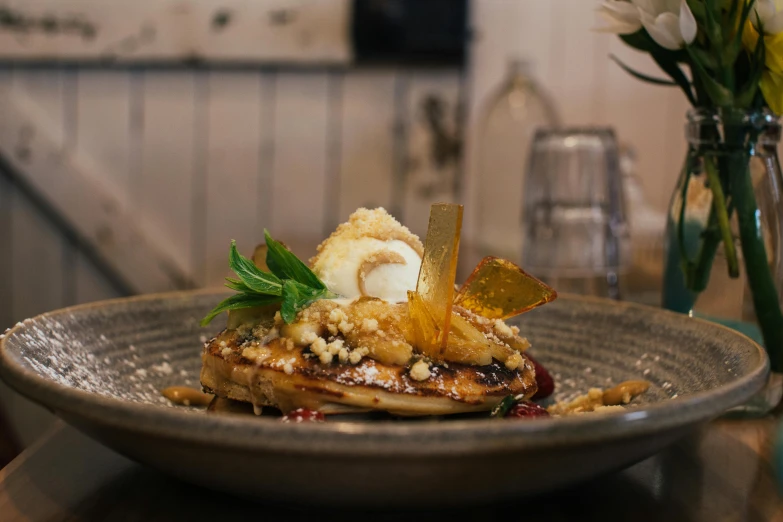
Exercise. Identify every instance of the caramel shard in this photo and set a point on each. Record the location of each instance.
(424, 328)
(466, 343)
(439, 265)
(499, 289)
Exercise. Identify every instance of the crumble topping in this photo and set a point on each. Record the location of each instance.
(420, 371)
(598, 400)
(376, 224)
(502, 329)
(369, 325)
(514, 361)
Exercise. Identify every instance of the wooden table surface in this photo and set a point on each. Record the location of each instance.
(720, 473)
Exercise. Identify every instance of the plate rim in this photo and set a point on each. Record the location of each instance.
(376, 439)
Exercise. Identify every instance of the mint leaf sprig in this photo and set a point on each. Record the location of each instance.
(503, 407)
(289, 282)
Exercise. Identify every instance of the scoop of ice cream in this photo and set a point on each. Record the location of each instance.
(372, 254)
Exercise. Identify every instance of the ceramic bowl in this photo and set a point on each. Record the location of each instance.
(101, 368)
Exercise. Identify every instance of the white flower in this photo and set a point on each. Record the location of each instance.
(769, 14)
(669, 22)
(622, 17)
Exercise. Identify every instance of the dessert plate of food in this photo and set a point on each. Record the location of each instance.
(369, 376)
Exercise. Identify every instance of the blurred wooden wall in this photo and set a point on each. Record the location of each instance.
(205, 156)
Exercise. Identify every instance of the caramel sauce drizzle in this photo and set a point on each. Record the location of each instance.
(186, 396)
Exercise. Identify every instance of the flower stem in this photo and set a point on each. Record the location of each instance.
(685, 176)
(698, 274)
(722, 216)
(765, 296)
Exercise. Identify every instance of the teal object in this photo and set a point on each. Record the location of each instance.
(676, 296)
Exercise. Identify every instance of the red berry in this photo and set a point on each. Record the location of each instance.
(303, 415)
(525, 410)
(546, 385)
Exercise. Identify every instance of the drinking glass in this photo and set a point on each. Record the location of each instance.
(574, 218)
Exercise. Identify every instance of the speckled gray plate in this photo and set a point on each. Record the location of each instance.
(101, 367)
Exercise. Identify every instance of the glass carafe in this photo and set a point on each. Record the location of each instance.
(507, 127)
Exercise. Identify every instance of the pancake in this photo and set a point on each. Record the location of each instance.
(280, 374)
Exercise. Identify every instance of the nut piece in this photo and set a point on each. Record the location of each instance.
(343, 355)
(318, 347)
(502, 329)
(624, 392)
(420, 371)
(514, 361)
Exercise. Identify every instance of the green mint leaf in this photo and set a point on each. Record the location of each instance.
(285, 265)
(254, 278)
(503, 407)
(238, 301)
(238, 286)
(297, 296)
(290, 282)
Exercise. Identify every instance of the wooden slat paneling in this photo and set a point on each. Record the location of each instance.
(91, 284)
(300, 158)
(6, 264)
(68, 184)
(6, 198)
(71, 253)
(367, 144)
(266, 151)
(38, 249)
(102, 133)
(283, 31)
(428, 181)
(233, 165)
(277, 31)
(166, 186)
(37, 254)
(104, 128)
(335, 96)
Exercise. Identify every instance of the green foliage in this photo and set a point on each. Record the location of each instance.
(714, 70)
(291, 283)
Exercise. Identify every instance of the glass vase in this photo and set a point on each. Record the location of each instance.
(724, 259)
